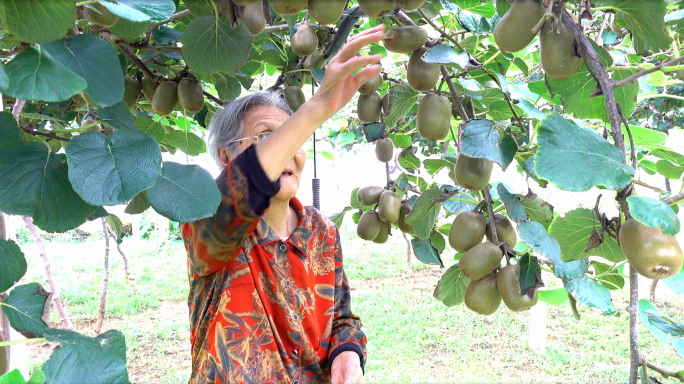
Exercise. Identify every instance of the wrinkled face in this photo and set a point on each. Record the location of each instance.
(262, 119)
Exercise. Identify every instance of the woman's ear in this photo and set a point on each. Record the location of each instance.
(223, 156)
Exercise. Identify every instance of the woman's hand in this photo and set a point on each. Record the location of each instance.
(346, 369)
(340, 82)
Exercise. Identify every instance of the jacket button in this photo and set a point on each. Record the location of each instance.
(283, 247)
(295, 317)
(295, 382)
(287, 283)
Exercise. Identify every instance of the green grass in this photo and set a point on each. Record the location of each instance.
(412, 337)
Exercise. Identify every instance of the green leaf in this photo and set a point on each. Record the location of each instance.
(576, 159)
(485, 9)
(151, 128)
(575, 91)
(402, 99)
(127, 29)
(12, 264)
(35, 75)
(482, 139)
(574, 231)
(645, 20)
(451, 287)
(654, 213)
(426, 252)
(408, 161)
(644, 136)
(200, 7)
(83, 359)
(136, 10)
(668, 155)
(536, 208)
(665, 324)
(96, 61)
(437, 240)
(553, 296)
(116, 225)
(9, 130)
(119, 117)
(590, 293)
(534, 234)
(502, 6)
(669, 170)
(4, 79)
(228, 87)
(677, 343)
(433, 166)
(184, 193)
(210, 45)
(424, 214)
(676, 283)
(446, 55)
(138, 204)
(530, 274)
(37, 377)
(516, 211)
(34, 182)
(400, 140)
(36, 21)
(338, 218)
(500, 110)
(612, 281)
(12, 377)
(355, 202)
(27, 308)
(373, 131)
(186, 141)
(111, 171)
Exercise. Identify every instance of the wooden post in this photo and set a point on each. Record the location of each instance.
(537, 331)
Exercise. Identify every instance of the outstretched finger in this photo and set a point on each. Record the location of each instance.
(353, 46)
(355, 63)
(366, 74)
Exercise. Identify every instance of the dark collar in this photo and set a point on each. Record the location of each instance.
(300, 237)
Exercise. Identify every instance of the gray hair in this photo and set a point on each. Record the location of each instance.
(227, 124)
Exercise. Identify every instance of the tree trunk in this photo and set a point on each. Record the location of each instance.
(66, 322)
(408, 248)
(4, 322)
(633, 326)
(129, 275)
(103, 298)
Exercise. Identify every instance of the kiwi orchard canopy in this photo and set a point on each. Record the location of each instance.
(560, 94)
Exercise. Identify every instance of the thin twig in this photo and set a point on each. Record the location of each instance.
(674, 199)
(103, 297)
(633, 325)
(176, 16)
(666, 374)
(46, 134)
(129, 274)
(652, 290)
(641, 73)
(10, 52)
(653, 187)
(213, 98)
(459, 107)
(441, 32)
(490, 214)
(280, 27)
(113, 39)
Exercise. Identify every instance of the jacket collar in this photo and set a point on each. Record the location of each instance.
(300, 237)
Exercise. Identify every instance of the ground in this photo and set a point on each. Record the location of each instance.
(412, 337)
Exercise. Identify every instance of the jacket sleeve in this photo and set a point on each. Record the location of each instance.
(246, 192)
(346, 333)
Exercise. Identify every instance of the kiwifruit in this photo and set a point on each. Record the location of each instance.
(505, 232)
(326, 11)
(434, 117)
(94, 128)
(107, 131)
(315, 60)
(245, 3)
(386, 104)
(409, 5)
(514, 31)
(148, 87)
(4, 364)
(649, 251)
(405, 39)
(383, 235)
(369, 107)
(384, 150)
(165, 97)
(480, 260)
(467, 231)
(558, 51)
(287, 7)
(304, 42)
(371, 85)
(369, 226)
(99, 14)
(322, 35)
(473, 172)
(294, 97)
(403, 212)
(369, 195)
(190, 95)
(253, 18)
(376, 8)
(508, 283)
(389, 207)
(421, 76)
(482, 296)
(132, 88)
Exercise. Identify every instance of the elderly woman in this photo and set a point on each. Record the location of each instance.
(269, 300)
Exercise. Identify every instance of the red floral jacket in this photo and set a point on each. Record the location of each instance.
(264, 310)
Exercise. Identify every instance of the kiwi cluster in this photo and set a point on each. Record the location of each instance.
(164, 95)
(557, 45)
(375, 225)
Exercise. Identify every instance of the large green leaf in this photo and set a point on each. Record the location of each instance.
(553, 296)
(184, 193)
(482, 139)
(151, 127)
(37, 21)
(9, 130)
(589, 292)
(530, 273)
(4, 79)
(96, 61)
(119, 117)
(27, 308)
(451, 287)
(446, 55)
(137, 10)
(83, 359)
(424, 213)
(611, 280)
(534, 234)
(574, 231)
(127, 29)
(34, 182)
(577, 159)
(36, 75)
(515, 209)
(645, 20)
(186, 141)
(426, 252)
(210, 45)
(12, 264)
(536, 208)
(646, 309)
(138, 204)
(654, 213)
(111, 171)
(402, 99)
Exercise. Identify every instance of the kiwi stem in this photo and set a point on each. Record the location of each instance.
(81, 3)
(490, 214)
(46, 134)
(492, 58)
(24, 341)
(548, 15)
(83, 128)
(441, 31)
